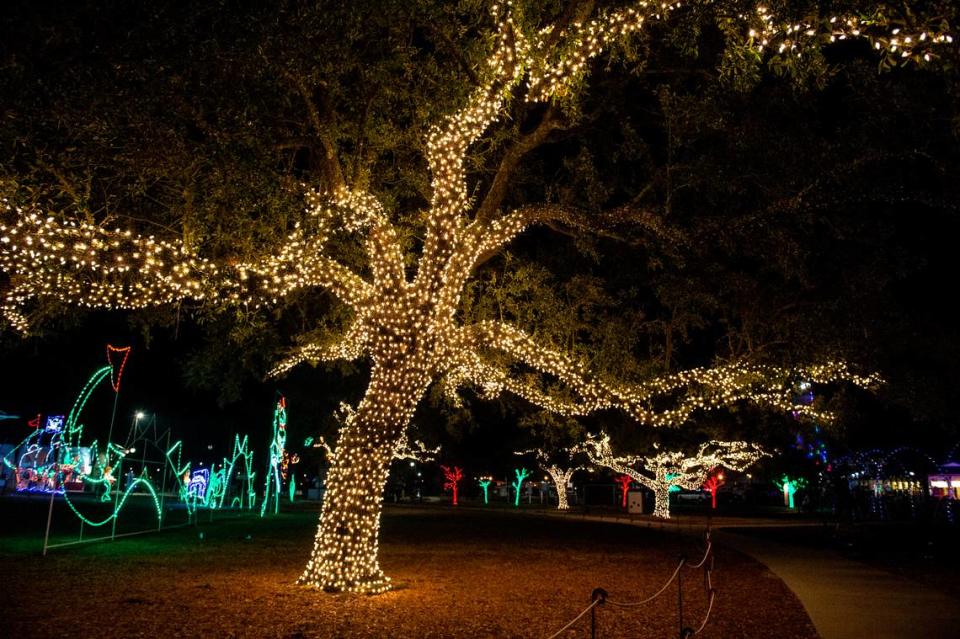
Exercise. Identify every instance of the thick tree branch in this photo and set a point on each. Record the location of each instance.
(322, 120)
(511, 160)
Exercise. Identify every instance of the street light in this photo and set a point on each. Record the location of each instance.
(139, 415)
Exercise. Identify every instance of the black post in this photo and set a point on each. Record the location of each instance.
(600, 596)
(683, 560)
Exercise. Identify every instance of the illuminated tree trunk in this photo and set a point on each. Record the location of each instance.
(661, 504)
(344, 556)
(560, 479)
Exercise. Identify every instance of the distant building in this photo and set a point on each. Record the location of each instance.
(946, 483)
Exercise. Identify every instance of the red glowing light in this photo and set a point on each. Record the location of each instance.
(624, 481)
(713, 483)
(117, 371)
(453, 477)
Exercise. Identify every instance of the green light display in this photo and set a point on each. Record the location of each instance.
(521, 474)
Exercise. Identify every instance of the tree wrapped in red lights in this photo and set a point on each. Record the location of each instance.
(405, 295)
(624, 482)
(452, 477)
(712, 484)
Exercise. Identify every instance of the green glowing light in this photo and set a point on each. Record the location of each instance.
(272, 486)
(790, 487)
(521, 473)
(485, 484)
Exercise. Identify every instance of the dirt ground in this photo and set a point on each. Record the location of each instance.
(460, 573)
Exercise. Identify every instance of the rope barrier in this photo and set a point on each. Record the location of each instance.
(705, 555)
(575, 619)
(713, 595)
(600, 596)
(654, 596)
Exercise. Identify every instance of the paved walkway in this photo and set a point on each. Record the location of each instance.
(847, 599)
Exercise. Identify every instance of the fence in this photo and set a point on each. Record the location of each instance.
(599, 598)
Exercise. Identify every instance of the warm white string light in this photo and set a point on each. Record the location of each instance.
(670, 469)
(561, 474)
(409, 329)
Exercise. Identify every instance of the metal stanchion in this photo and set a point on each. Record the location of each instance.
(599, 595)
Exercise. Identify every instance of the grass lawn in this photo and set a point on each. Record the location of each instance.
(466, 573)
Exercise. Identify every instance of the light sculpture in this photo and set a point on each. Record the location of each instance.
(790, 486)
(560, 466)
(665, 470)
(277, 455)
(711, 485)
(624, 482)
(521, 474)
(405, 306)
(485, 485)
(452, 477)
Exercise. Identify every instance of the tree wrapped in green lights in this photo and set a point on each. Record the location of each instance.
(405, 298)
(520, 475)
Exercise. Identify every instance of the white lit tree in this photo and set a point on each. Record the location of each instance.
(668, 470)
(405, 298)
(560, 473)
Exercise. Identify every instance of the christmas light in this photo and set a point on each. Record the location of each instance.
(712, 484)
(410, 327)
(790, 487)
(624, 482)
(560, 466)
(452, 477)
(485, 485)
(521, 474)
(277, 454)
(665, 470)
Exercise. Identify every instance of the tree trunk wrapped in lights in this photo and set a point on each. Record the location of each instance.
(560, 472)
(672, 470)
(452, 477)
(405, 319)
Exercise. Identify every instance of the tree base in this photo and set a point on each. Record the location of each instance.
(373, 585)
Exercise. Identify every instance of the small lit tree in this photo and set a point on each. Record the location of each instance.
(485, 485)
(663, 471)
(560, 466)
(790, 486)
(712, 484)
(624, 482)
(521, 474)
(452, 477)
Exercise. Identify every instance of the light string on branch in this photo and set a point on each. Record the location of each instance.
(410, 326)
(668, 469)
(561, 474)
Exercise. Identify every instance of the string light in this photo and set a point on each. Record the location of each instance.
(624, 481)
(520, 474)
(790, 486)
(453, 477)
(276, 458)
(711, 485)
(485, 485)
(665, 470)
(561, 474)
(410, 328)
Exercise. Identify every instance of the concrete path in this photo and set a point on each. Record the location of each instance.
(847, 599)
